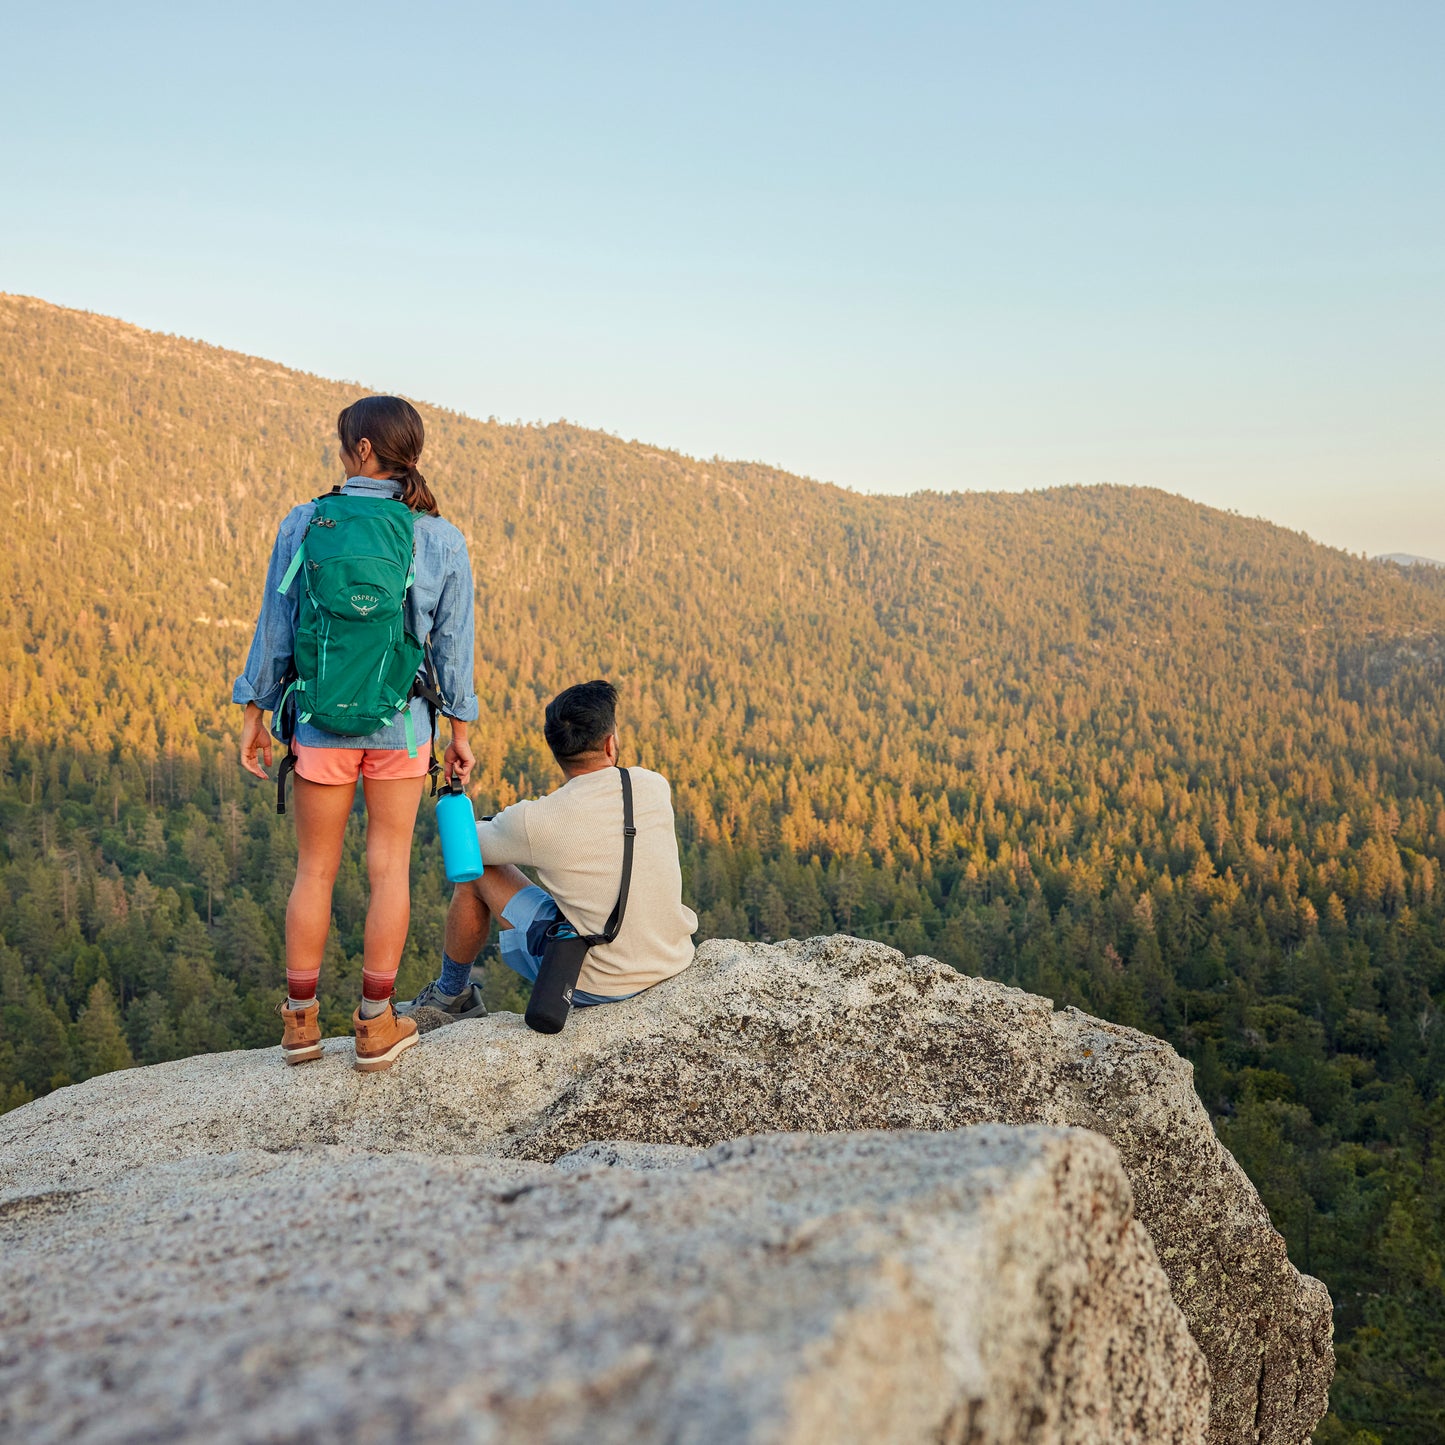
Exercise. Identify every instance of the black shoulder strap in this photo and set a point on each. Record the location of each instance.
(336, 491)
(629, 832)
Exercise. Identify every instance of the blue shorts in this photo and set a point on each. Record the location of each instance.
(531, 912)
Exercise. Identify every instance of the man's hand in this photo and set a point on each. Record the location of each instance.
(457, 761)
(255, 739)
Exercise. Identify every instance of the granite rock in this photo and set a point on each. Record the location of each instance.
(831, 1034)
(986, 1285)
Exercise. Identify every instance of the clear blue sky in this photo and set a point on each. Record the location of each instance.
(1200, 246)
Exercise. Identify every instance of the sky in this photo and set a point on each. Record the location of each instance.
(903, 246)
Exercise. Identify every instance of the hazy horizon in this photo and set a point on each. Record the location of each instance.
(928, 248)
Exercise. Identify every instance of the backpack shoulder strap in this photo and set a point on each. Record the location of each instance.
(299, 555)
(629, 832)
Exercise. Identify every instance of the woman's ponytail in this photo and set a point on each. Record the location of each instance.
(394, 429)
(416, 493)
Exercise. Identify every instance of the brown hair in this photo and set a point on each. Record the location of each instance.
(393, 427)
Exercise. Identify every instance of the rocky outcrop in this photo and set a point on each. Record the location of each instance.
(985, 1285)
(828, 1035)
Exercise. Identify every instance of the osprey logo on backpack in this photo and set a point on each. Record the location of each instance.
(364, 602)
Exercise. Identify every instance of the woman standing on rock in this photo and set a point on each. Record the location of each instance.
(366, 625)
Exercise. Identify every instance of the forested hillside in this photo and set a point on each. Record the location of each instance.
(1178, 767)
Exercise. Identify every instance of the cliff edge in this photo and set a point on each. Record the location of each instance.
(826, 1036)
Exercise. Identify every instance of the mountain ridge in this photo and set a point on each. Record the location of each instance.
(262, 366)
(1407, 559)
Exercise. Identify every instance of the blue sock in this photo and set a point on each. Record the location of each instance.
(455, 976)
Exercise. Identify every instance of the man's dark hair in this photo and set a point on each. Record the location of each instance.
(580, 718)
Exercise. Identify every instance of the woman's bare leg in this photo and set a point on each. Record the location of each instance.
(391, 805)
(321, 812)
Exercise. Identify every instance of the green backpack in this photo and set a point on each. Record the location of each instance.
(356, 664)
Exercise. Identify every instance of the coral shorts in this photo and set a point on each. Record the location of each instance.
(346, 765)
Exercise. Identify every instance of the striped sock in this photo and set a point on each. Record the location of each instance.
(376, 991)
(301, 987)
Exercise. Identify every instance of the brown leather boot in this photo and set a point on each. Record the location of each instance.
(380, 1040)
(301, 1035)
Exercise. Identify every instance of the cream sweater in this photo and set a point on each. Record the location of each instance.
(573, 838)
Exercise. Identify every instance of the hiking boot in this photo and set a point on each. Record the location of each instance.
(380, 1040)
(466, 1005)
(301, 1038)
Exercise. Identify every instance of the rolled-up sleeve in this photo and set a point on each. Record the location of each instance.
(269, 661)
(453, 634)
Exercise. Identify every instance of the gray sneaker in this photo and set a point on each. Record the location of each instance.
(466, 1005)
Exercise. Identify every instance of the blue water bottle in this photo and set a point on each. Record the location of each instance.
(457, 824)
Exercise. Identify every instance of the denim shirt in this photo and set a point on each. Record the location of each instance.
(439, 609)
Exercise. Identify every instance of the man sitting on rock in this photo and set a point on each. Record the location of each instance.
(573, 838)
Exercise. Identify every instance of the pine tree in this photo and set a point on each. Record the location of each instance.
(100, 1040)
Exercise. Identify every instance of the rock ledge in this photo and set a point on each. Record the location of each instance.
(823, 1036)
(984, 1285)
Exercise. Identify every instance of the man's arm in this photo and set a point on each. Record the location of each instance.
(504, 838)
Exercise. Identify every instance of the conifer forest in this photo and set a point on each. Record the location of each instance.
(1180, 768)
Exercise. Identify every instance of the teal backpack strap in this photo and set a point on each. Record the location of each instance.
(410, 729)
(293, 569)
(298, 685)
